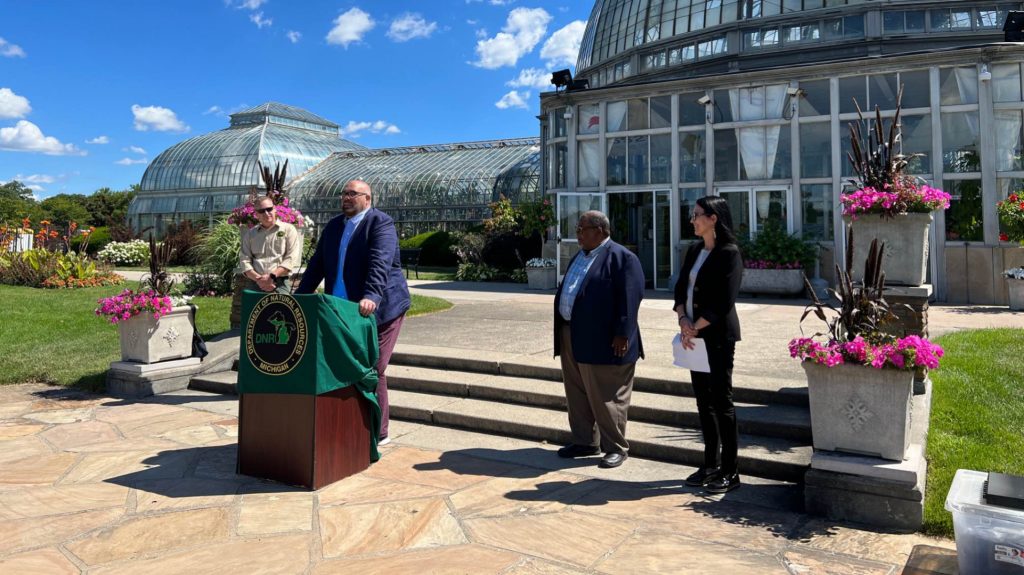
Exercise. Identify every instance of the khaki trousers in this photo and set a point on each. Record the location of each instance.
(598, 399)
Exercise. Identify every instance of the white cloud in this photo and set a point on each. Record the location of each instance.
(355, 129)
(531, 78)
(13, 105)
(27, 137)
(523, 30)
(36, 179)
(252, 4)
(131, 161)
(409, 26)
(157, 118)
(10, 50)
(563, 47)
(134, 150)
(98, 140)
(350, 27)
(293, 36)
(217, 110)
(258, 19)
(513, 99)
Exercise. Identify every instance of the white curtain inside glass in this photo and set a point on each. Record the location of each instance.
(758, 144)
(967, 84)
(590, 162)
(1008, 124)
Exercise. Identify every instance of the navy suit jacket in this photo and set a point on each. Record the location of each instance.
(606, 305)
(373, 268)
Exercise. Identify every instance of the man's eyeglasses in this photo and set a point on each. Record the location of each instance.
(264, 210)
(352, 194)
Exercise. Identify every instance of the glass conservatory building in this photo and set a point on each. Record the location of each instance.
(427, 187)
(423, 187)
(752, 99)
(211, 174)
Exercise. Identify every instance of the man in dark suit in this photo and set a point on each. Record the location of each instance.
(598, 339)
(358, 260)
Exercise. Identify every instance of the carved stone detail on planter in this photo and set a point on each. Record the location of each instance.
(857, 412)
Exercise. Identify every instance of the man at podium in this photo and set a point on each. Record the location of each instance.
(358, 260)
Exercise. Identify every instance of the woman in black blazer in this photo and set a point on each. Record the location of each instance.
(705, 301)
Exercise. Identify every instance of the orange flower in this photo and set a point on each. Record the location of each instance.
(25, 222)
(44, 223)
(73, 226)
(53, 234)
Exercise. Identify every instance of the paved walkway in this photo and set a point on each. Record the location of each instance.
(95, 485)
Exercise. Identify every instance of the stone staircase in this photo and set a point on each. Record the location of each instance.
(522, 396)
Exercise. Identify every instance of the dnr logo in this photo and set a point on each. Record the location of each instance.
(275, 337)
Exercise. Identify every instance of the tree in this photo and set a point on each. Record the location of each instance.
(107, 207)
(65, 208)
(16, 201)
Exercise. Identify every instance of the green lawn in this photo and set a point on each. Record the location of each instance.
(52, 336)
(977, 419)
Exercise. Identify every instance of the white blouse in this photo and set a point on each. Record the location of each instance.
(701, 257)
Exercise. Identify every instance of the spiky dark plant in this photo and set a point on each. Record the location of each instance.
(862, 309)
(158, 279)
(273, 182)
(876, 151)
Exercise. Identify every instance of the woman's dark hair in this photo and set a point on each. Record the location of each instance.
(717, 206)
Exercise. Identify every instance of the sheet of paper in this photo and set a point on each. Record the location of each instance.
(695, 359)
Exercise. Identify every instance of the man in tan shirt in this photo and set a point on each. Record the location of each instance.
(270, 251)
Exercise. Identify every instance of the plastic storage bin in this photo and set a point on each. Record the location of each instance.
(989, 538)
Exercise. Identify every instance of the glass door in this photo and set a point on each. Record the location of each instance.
(754, 207)
(570, 207)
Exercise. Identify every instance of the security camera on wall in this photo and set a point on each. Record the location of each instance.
(704, 100)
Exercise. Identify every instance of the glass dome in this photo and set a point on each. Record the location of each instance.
(639, 40)
(426, 187)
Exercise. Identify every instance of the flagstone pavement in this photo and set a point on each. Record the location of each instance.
(102, 486)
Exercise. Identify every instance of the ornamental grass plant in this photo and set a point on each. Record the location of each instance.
(882, 186)
(856, 328)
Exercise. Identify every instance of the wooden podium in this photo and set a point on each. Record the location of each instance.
(306, 389)
(307, 440)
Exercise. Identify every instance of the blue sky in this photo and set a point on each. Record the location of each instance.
(90, 92)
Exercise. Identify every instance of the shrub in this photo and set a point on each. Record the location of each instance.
(49, 269)
(204, 284)
(182, 239)
(509, 251)
(29, 268)
(773, 248)
(98, 239)
(132, 253)
(470, 272)
(436, 248)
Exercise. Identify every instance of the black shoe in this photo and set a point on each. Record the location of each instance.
(702, 477)
(723, 483)
(575, 450)
(612, 460)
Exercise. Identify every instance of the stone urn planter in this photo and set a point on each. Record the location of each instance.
(860, 409)
(1015, 288)
(906, 245)
(542, 278)
(148, 340)
(773, 282)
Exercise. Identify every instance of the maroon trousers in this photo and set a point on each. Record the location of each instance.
(387, 337)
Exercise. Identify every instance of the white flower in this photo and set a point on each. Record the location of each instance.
(180, 300)
(1015, 273)
(540, 263)
(307, 222)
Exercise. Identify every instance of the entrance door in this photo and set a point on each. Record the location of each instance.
(754, 206)
(641, 221)
(570, 207)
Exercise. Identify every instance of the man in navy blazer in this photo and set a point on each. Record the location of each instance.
(358, 260)
(598, 339)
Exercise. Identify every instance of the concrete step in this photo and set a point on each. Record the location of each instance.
(772, 420)
(224, 382)
(761, 456)
(747, 388)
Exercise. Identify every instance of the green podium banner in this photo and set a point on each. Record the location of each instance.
(307, 345)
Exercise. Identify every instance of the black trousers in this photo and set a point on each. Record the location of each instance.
(715, 408)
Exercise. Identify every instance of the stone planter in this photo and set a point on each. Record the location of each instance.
(860, 409)
(775, 282)
(1015, 288)
(906, 246)
(148, 340)
(541, 278)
